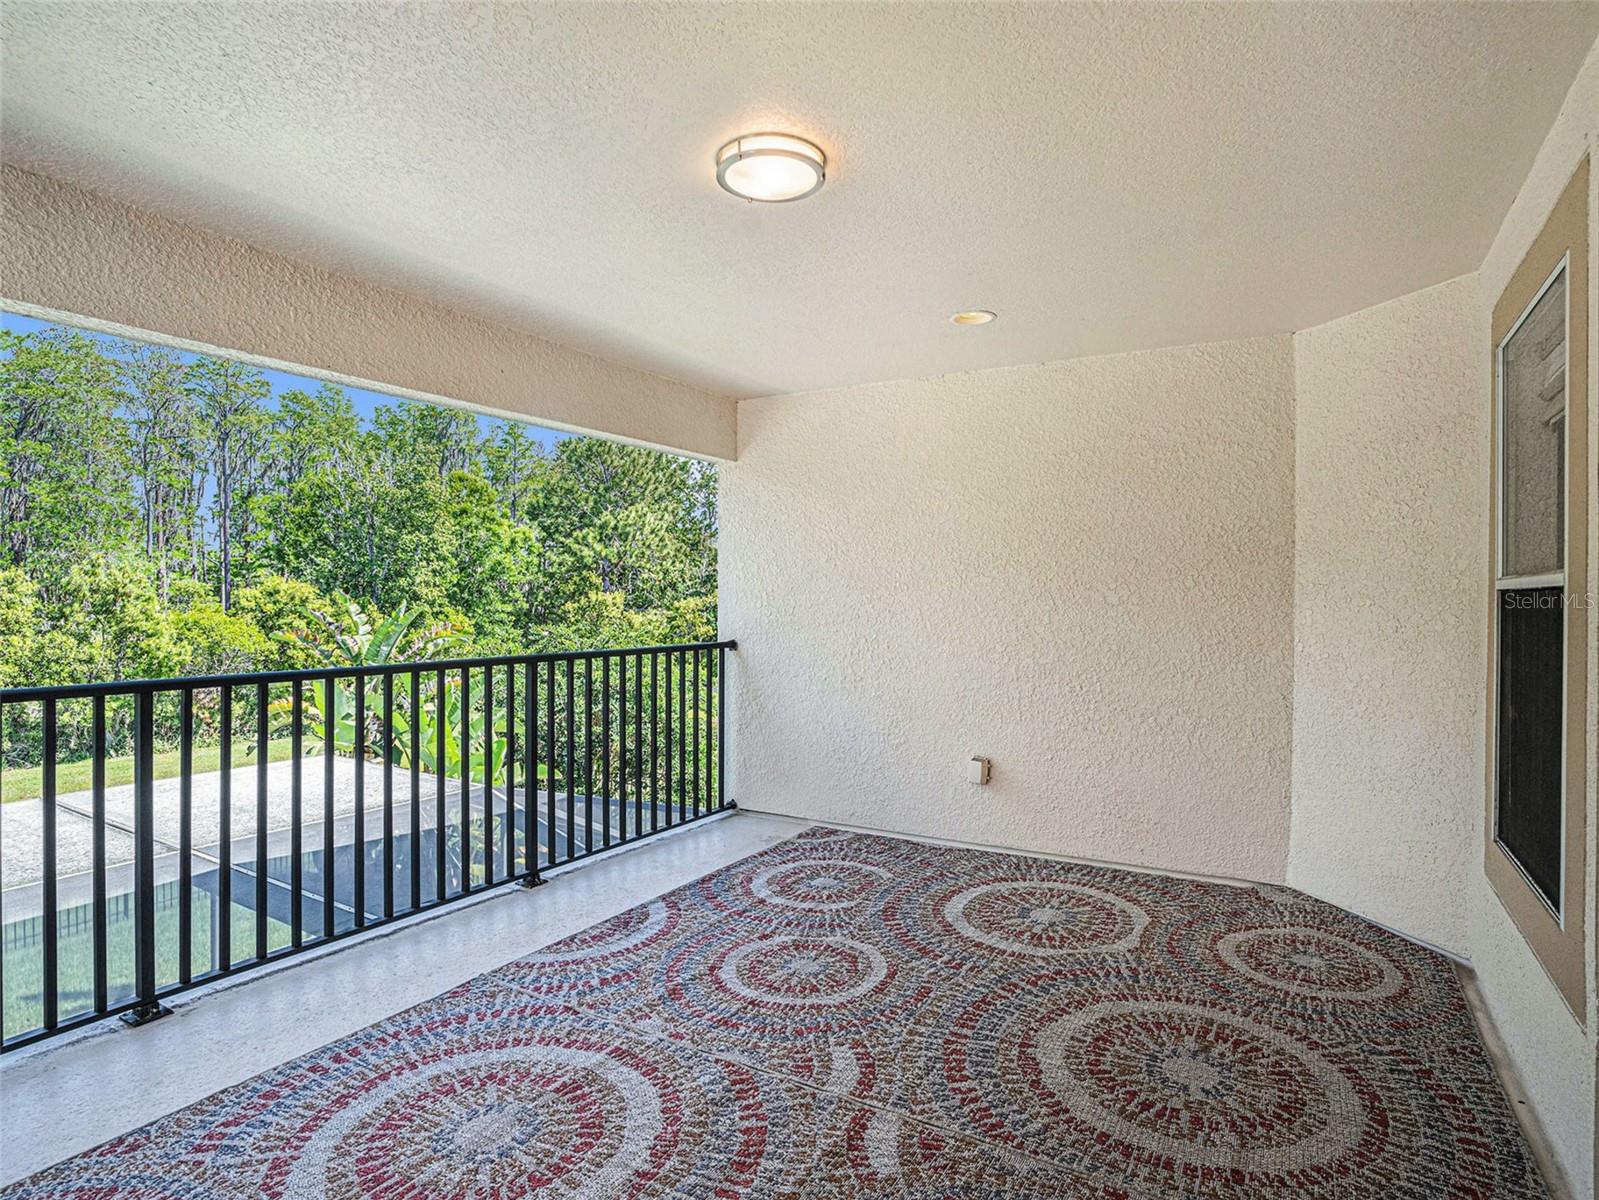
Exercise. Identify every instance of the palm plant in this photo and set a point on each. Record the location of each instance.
(358, 641)
(479, 736)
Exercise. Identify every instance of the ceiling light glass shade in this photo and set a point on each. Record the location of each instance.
(974, 316)
(771, 167)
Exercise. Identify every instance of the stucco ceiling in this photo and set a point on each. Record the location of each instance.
(1106, 177)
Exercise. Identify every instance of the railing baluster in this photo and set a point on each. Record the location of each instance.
(530, 762)
(638, 745)
(440, 779)
(510, 772)
(98, 835)
(605, 747)
(147, 1007)
(680, 739)
(466, 780)
(296, 808)
(224, 954)
(571, 740)
(588, 755)
(655, 748)
(260, 820)
(721, 728)
(710, 733)
(415, 719)
(694, 791)
(388, 794)
(710, 727)
(488, 775)
(358, 817)
(702, 720)
(330, 888)
(670, 791)
(186, 836)
(684, 743)
(682, 736)
(549, 757)
(49, 946)
(621, 748)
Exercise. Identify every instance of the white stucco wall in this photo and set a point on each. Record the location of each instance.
(1554, 1055)
(68, 253)
(1082, 570)
(1391, 528)
(1390, 610)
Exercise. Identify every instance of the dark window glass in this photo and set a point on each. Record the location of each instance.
(1531, 680)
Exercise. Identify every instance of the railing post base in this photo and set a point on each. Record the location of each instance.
(530, 881)
(144, 1014)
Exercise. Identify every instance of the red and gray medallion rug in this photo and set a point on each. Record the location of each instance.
(844, 1017)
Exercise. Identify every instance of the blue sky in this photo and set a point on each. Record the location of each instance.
(365, 402)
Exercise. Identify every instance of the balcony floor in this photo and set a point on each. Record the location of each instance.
(60, 1098)
(844, 1017)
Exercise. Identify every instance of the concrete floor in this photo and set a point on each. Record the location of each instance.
(62, 1097)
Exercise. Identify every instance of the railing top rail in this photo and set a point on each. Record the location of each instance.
(180, 683)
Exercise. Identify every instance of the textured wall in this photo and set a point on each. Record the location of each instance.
(1555, 1055)
(1391, 527)
(1390, 571)
(71, 252)
(1082, 570)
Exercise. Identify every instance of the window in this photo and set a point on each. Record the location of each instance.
(1535, 851)
(1531, 585)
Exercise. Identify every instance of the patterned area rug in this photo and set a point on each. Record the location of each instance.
(845, 1017)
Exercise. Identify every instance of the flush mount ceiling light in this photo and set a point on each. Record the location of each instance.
(771, 167)
(973, 316)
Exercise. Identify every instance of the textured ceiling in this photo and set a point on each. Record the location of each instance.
(1105, 177)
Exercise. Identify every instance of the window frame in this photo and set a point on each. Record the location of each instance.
(1518, 583)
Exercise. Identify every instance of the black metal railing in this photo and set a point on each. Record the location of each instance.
(165, 833)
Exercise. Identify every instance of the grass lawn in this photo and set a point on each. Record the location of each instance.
(27, 783)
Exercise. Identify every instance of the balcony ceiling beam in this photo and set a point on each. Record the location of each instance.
(73, 255)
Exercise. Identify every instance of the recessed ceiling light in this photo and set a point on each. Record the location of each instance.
(973, 316)
(771, 167)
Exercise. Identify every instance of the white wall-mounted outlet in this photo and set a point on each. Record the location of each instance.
(978, 769)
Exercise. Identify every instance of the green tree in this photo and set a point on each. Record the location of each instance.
(290, 614)
(66, 490)
(111, 609)
(441, 439)
(377, 532)
(311, 431)
(632, 519)
(362, 639)
(517, 469)
(19, 626)
(493, 563)
(229, 395)
(210, 641)
(164, 432)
